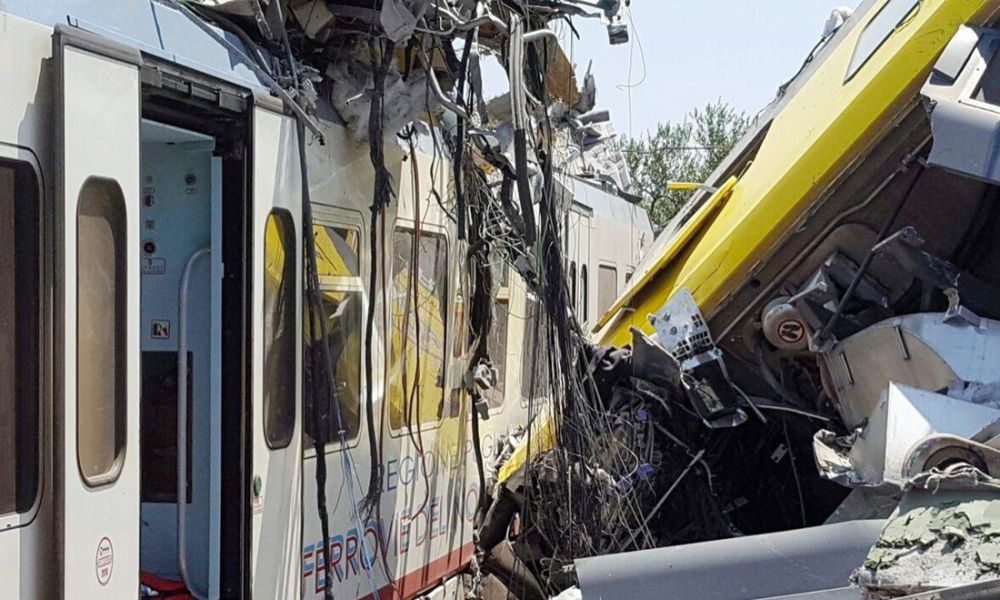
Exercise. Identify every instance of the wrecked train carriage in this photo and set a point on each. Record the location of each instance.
(154, 200)
(837, 288)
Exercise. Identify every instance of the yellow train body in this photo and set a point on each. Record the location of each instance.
(829, 122)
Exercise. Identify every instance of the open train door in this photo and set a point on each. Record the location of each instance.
(277, 324)
(96, 396)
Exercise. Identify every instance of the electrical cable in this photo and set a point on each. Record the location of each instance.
(381, 196)
(265, 76)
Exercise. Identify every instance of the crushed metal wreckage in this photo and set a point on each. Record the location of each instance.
(839, 439)
(409, 73)
(844, 419)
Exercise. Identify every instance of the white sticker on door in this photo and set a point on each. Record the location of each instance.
(104, 560)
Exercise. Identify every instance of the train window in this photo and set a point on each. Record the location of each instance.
(497, 345)
(337, 251)
(584, 294)
(535, 352)
(340, 287)
(101, 325)
(458, 324)
(343, 314)
(19, 321)
(893, 14)
(419, 309)
(607, 287)
(572, 285)
(279, 329)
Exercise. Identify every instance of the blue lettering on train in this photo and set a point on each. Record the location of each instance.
(408, 528)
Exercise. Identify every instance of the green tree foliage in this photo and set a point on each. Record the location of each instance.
(686, 151)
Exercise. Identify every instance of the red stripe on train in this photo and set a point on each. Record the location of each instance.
(428, 576)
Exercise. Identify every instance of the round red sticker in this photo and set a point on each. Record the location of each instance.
(104, 560)
(791, 331)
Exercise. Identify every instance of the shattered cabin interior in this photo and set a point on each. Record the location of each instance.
(851, 380)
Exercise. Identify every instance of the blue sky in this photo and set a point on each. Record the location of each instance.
(697, 51)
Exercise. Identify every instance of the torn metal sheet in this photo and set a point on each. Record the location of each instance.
(833, 457)
(314, 17)
(881, 451)
(405, 98)
(683, 331)
(399, 17)
(903, 418)
(816, 559)
(923, 351)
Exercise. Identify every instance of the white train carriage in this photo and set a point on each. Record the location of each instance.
(151, 218)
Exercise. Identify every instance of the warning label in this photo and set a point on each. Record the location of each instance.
(104, 560)
(160, 330)
(791, 331)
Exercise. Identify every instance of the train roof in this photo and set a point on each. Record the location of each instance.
(149, 26)
(604, 201)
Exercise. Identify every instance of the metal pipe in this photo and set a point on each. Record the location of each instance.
(537, 34)
(441, 96)
(182, 419)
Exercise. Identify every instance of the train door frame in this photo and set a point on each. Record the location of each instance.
(181, 97)
(275, 456)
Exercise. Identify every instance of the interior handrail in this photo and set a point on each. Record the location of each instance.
(182, 418)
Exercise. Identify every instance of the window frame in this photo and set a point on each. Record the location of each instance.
(584, 293)
(529, 345)
(296, 280)
(853, 67)
(111, 476)
(344, 284)
(978, 72)
(503, 297)
(401, 224)
(20, 156)
(601, 266)
(573, 286)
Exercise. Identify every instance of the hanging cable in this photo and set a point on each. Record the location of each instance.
(381, 195)
(265, 76)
